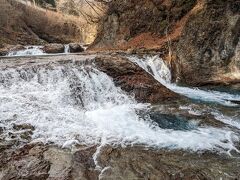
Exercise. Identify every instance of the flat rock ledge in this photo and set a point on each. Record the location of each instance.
(41, 162)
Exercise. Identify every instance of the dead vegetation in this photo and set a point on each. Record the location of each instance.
(25, 24)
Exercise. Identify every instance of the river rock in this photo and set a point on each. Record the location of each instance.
(53, 48)
(23, 127)
(134, 80)
(75, 48)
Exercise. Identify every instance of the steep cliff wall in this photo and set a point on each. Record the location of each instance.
(140, 24)
(201, 35)
(209, 47)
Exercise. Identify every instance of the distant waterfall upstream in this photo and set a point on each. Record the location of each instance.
(28, 51)
(160, 71)
(66, 48)
(78, 104)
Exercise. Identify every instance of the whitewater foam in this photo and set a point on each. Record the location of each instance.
(66, 48)
(72, 104)
(232, 121)
(28, 51)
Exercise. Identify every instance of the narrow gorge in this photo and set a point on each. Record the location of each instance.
(95, 89)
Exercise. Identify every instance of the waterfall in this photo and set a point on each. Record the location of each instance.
(76, 103)
(28, 51)
(66, 49)
(160, 71)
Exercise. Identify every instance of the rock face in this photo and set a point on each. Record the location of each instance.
(53, 48)
(201, 35)
(209, 48)
(134, 80)
(75, 48)
(139, 24)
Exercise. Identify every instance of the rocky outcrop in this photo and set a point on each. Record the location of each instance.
(140, 24)
(209, 48)
(75, 48)
(38, 161)
(137, 163)
(199, 38)
(53, 48)
(134, 80)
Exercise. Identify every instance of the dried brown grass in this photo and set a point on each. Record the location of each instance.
(24, 24)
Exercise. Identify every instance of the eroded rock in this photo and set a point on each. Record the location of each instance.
(23, 127)
(53, 48)
(141, 163)
(24, 163)
(61, 163)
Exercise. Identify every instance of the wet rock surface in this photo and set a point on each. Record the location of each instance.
(38, 161)
(200, 39)
(140, 163)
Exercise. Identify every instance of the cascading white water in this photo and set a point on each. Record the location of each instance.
(28, 51)
(70, 103)
(66, 48)
(160, 71)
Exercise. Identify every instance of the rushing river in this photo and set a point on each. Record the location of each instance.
(75, 103)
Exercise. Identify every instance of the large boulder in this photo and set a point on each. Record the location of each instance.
(134, 80)
(75, 48)
(53, 48)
